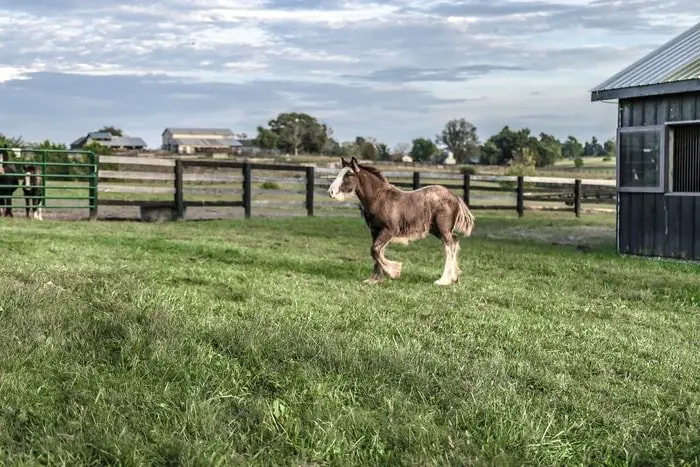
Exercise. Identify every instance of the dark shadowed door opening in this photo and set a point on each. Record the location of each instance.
(686, 159)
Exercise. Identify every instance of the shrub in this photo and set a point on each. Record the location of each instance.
(578, 162)
(517, 170)
(270, 186)
(468, 169)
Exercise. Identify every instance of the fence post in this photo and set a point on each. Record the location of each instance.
(466, 182)
(247, 192)
(416, 180)
(520, 203)
(577, 197)
(179, 192)
(94, 174)
(310, 178)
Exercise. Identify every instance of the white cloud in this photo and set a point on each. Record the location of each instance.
(9, 73)
(558, 49)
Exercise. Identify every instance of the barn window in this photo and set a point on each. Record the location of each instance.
(684, 145)
(640, 158)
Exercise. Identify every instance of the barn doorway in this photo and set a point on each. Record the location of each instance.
(685, 158)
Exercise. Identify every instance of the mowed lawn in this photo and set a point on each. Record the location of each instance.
(255, 342)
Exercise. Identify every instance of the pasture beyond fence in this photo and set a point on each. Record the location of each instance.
(171, 186)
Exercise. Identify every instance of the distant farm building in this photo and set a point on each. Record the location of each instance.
(658, 145)
(200, 140)
(106, 138)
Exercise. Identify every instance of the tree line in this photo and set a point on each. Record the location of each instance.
(301, 133)
(295, 133)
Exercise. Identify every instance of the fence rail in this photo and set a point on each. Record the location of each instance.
(183, 183)
(178, 184)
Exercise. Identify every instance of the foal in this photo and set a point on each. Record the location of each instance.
(397, 216)
(32, 192)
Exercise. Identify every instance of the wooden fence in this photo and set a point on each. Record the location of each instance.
(180, 183)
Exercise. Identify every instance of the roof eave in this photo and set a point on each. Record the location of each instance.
(676, 87)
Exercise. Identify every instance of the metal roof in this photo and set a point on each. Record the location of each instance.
(677, 60)
(200, 131)
(100, 135)
(113, 141)
(125, 141)
(207, 143)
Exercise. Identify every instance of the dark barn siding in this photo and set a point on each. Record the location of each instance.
(659, 110)
(652, 224)
(643, 220)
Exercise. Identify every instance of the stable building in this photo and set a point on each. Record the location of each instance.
(200, 140)
(106, 138)
(658, 150)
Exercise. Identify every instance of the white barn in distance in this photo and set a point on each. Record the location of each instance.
(199, 140)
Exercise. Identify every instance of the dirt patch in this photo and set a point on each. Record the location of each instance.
(573, 235)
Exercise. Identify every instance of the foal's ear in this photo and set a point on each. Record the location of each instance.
(344, 162)
(355, 166)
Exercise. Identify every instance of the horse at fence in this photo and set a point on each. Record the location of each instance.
(32, 192)
(9, 182)
(397, 216)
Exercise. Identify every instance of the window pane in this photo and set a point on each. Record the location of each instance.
(640, 158)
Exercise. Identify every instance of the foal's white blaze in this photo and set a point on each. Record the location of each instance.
(334, 189)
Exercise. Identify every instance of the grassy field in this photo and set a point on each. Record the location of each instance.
(254, 342)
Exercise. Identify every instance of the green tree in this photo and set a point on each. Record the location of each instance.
(383, 152)
(547, 150)
(332, 147)
(459, 136)
(506, 145)
(593, 148)
(423, 149)
(299, 132)
(50, 151)
(266, 139)
(571, 148)
(97, 148)
(114, 131)
(349, 149)
(489, 153)
(368, 151)
(610, 149)
(9, 142)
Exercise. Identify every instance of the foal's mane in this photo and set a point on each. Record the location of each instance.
(374, 171)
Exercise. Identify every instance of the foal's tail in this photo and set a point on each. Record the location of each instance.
(465, 219)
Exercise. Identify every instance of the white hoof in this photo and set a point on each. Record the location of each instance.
(393, 269)
(443, 281)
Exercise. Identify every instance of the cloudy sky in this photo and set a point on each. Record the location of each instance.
(393, 70)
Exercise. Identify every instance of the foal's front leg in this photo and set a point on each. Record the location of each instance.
(391, 268)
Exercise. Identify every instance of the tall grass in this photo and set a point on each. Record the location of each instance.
(254, 342)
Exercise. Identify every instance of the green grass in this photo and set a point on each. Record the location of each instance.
(254, 342)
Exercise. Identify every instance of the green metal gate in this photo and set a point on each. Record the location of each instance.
(67, 177)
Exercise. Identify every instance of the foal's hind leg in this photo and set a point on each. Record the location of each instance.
(448, 272)
(456, 271)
